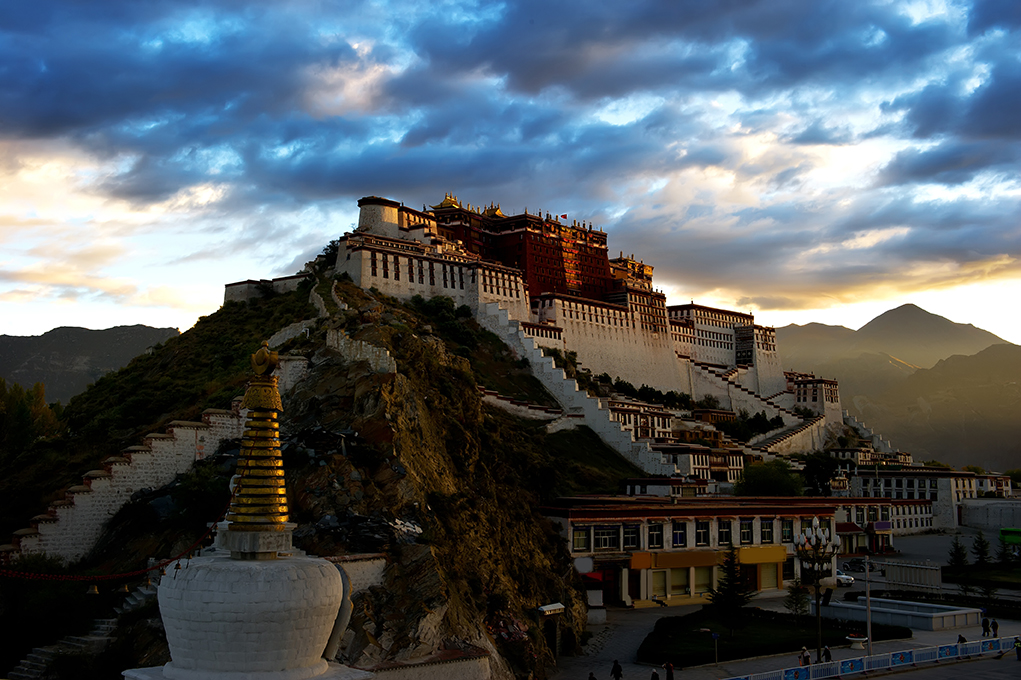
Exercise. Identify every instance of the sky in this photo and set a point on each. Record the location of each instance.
(802, 160)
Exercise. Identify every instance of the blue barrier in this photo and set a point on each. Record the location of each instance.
(879, 662)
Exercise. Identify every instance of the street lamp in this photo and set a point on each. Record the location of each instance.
(815, 547)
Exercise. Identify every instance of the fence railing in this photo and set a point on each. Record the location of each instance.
(879, 662)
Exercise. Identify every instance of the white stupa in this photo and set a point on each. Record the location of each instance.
(256, 609)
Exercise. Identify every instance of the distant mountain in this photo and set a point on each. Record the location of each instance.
(963, 411)
(67, 359)
(908, 333)
(910, 375)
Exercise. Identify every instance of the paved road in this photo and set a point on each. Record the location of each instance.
(626, 628)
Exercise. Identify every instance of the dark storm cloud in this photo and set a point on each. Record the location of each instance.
(289, 105)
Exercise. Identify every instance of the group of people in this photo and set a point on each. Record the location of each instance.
(990, 629)
(617, 672)
(805, 658)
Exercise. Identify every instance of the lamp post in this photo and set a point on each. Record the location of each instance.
(815, 547)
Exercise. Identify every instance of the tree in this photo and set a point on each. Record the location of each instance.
(1004, 555)
(974, 468)
(772, 478)
(1015, 477)
(730, 593)
(819, 470)
(957, 563)
(796, 601)
(937, 464)
(957, 560)
(980, 549)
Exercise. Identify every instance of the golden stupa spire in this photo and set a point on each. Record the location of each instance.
(260, 499)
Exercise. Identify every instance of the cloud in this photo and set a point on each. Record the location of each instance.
(754, 149)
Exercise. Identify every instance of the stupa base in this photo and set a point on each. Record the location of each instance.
(332, 671)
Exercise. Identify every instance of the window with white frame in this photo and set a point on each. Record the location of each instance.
(631, 537)
(747, 531)
(702, 532)
(606, 538)
(581, 539)
(655, 536)
(723, 535)
(766, 530)
(680, 534)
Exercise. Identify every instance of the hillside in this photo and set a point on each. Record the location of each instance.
(908, 333)
(909, 375)
(66, 359)
(366, 453)
(962, 411)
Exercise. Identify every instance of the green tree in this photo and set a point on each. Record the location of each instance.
(730, 593)
(819, 470)
(937, 464)
(974, 468)
(957, 560)
(1004, 556)
(1015, 477)
(796, 600)
(772, 478)
(957, 564)
(980, 549)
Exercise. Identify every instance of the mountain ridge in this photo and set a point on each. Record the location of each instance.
(67, 359)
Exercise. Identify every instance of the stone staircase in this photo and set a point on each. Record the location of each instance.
(39, 659)
(575, 402)
(72, 525)
(746, 399)
(776, 441)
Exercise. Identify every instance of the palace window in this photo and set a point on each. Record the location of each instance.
(606, 538)
(631, 537)
(766, 531)
(581, 539)
(655, 536)
(747, 533)
(680, 534)
(702, 532)
(787, 531)
(723, 536)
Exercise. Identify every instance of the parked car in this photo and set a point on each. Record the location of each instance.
(843, 579)
(858, 564)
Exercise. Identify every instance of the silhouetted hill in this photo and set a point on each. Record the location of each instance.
(908, 333)
(963, 411)
(935, 388)
(918, 337)
(68, 359)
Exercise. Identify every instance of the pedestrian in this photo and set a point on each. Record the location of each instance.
(616, 672)
(655, 675)
(1017, 647)
(826, 655)
(985, 627)
(961, 639)
(669, 668)
(995, 628)
(591, 676)
(806, 657)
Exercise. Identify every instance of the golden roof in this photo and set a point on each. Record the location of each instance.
(448, 202)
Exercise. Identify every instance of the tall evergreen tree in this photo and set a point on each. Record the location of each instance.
(1003, 553)
(796, 601)
(730, 593)
(980, 549)
(958, 557)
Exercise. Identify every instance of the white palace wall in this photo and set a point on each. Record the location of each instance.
(606, 341)
(72, 526)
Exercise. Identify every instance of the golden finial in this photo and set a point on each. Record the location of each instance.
(260, 498)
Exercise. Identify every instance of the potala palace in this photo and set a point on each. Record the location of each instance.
(559, 285)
